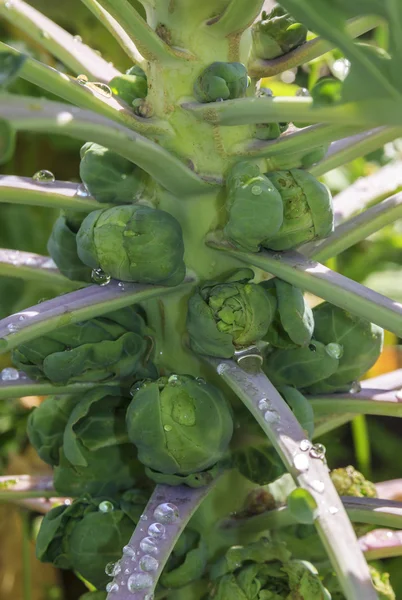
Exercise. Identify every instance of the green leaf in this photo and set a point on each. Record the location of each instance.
(7, 141)
(10, 65)
(303, 506)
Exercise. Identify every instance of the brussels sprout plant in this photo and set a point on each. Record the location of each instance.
(187, 376)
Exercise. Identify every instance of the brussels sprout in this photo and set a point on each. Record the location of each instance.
(46, 425)
(187, 561)
(130, 86)
(255, 207)
(221, 81)
(349, 482)
(179, 424)
(300, 367)
(109, 177)
(293, 324)
(382, 584)
(62, 247)
(361, 345)
(277, 33)
(327, 91)
(225, 316)
(88, 534)
(307, 209)
(113, 346)
(133, 243)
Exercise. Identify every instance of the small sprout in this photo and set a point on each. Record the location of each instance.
(277, 33)
(221, 81)
(349, 482)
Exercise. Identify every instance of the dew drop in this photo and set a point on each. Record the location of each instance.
(318, 485)
(174, 379)
(44, 35)
(334, 350)
(113, 569)
(112, 587)
(271, 416)
(128, 550)
(200, 381)
(9, 374)
(99, 277)
(144, 518)
(166, 513)
(127, 571)
(256, 190)
(333, 510)
(12, 327)
(49, 264)
(148, 563)
(221, 368)
(100, 88)
(106, 506)
(263, 404)
(167, 427)
(341, 68)
(355, 388)
(82, 79)
(147, 544)
(305, 445)
(44, 176)
(318, 451)
(77, 39)
(312, 348)
(121, 286)
(139, 581)
(157, 530)
(303, 92)
(82, 191)
(301, 462)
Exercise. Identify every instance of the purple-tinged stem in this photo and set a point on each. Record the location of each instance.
(165, 516)
(391, 489)
(25, 486)
(367, 401)
(381, 543)
(386, 381)
(79, 305)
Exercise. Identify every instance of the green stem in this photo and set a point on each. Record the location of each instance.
(237, 17)
(26, 557)
(116, 30)
(330, 423)
(77, 56)
(307, 138)
(33, 267)
(23, 386)
(344, 151)
(57, 194)
(286, 435)
(149, 44)
(31, 114)
(374, 511)
(356, 229)
(361, 442)
(324, 283)
(369, 402)
(73, 307)
(248, 111)
(86, 96)
(11, 496)
(310, 50)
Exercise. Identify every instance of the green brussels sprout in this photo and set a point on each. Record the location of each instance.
(221, 81)
(360, 341)
(133, 243)
(89, 533)
(300, 367)
(327, 91)
(349, 482)
(293, 324)
(109, 177)
(254, 205)
(179, 424)
(224, 316)
(62, 247)
(113, 346)
(270, 131)
(277, 33)
(130, 86)
(382, 584)
(307, 209)
(187, 561)
(46, 425)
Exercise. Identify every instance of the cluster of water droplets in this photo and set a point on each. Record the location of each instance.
(271, 416)
(96, 86)
(140, 565)
(301, 460)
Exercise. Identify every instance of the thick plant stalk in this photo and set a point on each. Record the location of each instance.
(365, 402)
(33, 267)
(78, 57)
(76, 306)
(319, 280)
(28, 114)
(309, 50)
(344, 151)
(356, 229)
(391, 489)
(87, 96)
(25, 486)
(236, 17)
(288, 438)
(116, 30)
(169, 506)
(15, 384)
(374, 511)
(52, 194)
(386, 381)
(381, 543)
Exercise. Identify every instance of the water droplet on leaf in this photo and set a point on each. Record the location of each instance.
(156, 530)
(271, 416)
(77, 39)
(305, 445)
(106, 506)
(139, 581)
(113, 569)
(128, 550)
(82, 79)
(12, 327)
(100, 88)
(148, 544)
(112, 587)
(82, 191)
(318, 451)
(167, 427)
(301, 462)
(256, 190)
(99, 277)
(44, 176)
(318, 485)
(9, 374)
(166, 513)
(148, 563)
(303, 93)
(334, 350)
(333, 510)
(263, 404)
